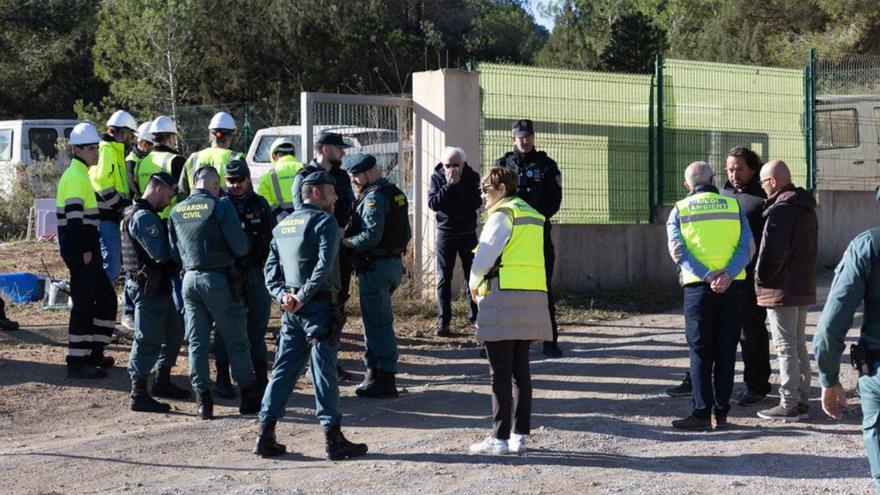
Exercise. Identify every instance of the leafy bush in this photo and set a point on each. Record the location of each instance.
(38, 180)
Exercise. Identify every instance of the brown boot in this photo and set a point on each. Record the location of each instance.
(692, 423)
(442, 330)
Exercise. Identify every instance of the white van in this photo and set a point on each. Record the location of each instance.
(27, 141)
(848, 142)
(381, 143)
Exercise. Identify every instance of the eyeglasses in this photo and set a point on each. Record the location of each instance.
(765, 180)
(486, 189)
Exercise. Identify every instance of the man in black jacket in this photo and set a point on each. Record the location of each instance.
(454, 194)
(744, 183)
(540, 185)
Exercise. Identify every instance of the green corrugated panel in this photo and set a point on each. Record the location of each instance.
(595, 125)
(710, 108)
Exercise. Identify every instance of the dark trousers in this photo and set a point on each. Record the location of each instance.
(2, 309)
(450, 245)
(93, 316)
(712, 325)
(549, 263)
(346, 268)
(755, 342)
(510, 359)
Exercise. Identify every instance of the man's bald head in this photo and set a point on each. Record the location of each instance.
(774, 176)
(698, 174)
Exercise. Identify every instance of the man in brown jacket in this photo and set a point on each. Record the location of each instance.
(785, 279)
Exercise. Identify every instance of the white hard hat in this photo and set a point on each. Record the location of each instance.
(121, 118)
(83, 134)
(282, 144)
(163, 124)
(143, 132)
(222, 120)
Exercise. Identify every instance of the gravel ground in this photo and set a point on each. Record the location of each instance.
(601, 425)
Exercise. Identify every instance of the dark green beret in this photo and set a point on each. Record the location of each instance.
(358, 163)
(237, 168)
(318, 178)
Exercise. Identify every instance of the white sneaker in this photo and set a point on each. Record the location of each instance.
(490, 445)
(128, 322)
(517, 443)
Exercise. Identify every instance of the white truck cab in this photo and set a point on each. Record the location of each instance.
(848, 142)
(25, 141)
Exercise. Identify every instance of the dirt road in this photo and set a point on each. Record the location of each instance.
(601, 425)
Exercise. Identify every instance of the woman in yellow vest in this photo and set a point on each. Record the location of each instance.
(508, 282)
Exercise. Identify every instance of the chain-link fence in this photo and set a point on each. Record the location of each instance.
(192, 121)
(595, 125)
(847, 113)
(707, 108)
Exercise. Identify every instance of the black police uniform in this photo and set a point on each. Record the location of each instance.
(540, 185)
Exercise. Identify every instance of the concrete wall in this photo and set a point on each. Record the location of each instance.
(842, 216)
(446, 112)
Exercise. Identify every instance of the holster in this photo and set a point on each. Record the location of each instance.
(861, 359)
(152, 280)
(363, 263)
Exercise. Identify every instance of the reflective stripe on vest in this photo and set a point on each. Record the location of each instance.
(522, 260)
(210, 157)
(710, 228)
(276, 185)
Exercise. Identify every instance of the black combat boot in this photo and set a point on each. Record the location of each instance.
(141, 400)
(250, 400)
(384, 385)
(225, 389)
(85, 371)
(261, 369)
(99, 359)
(338, 447)
(369, 379)
(267, 445)
(206, 404)
(163, 387)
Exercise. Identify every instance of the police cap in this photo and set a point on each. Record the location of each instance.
(237, 169)
(523, 128)
(358, 163)
(332, 138)
(318, 178)
(164, 178)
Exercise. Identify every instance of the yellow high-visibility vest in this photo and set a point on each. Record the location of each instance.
(521, 266)
(711, 227)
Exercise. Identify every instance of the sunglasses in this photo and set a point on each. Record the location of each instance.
(486, 189)
(235, 180)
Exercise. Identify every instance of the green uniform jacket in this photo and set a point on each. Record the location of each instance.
(206, 233)
(372, 210)
(302, 255)
(856, 279)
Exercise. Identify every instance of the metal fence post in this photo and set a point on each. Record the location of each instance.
(660, 158)
(811, 121)
(651, 155)
(307, 119)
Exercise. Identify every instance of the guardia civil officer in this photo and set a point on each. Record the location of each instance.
(208, 236)
(303, 276)
(540, 185)
(149, 266)
(93, 315)
(257, 221)
(221, 134)
(277, 184)
(856, 280)
(378, 234)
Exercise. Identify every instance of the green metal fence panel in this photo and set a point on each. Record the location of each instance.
(709, 108)
(595, 125)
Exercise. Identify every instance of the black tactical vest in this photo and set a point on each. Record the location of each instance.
(134, 257)
(255, 223)
(396, 234)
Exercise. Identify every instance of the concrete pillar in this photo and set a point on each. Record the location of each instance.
(446, 112)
